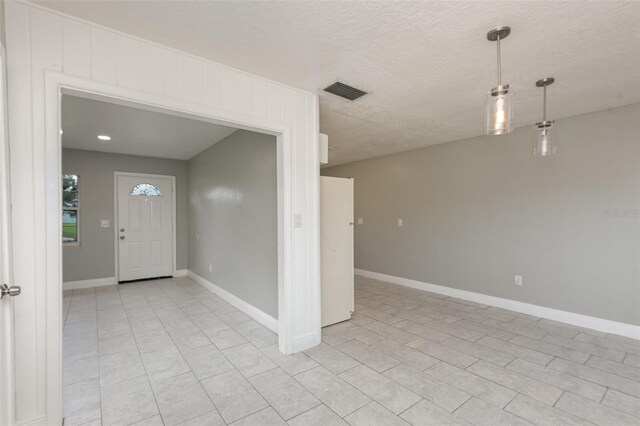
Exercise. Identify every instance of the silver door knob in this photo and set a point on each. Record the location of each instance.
(12, 291)
(122, 237)
(121, 229)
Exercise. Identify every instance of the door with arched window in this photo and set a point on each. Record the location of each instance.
(144, 232)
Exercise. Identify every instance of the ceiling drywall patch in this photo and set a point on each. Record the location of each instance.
(345, 91)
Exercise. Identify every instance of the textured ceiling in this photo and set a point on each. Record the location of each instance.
(135, 131)
(426, 65)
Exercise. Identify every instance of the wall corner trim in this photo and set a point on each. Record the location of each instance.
(98, 282)
(598, 324)
(267, 320)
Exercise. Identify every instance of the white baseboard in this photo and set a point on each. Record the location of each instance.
(267, 320)
(306, 342)
(180, 273)
(599, 324)
(98, 282)
(36, 421)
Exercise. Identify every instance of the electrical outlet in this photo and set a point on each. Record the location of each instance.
(400, 223)
(210, 268)
(361, 221)
(517, 279)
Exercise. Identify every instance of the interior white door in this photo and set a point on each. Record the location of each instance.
(7, 364)
(336, 240)
(144, 227)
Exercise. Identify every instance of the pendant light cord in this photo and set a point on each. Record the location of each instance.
(544, 104)
(499, 64)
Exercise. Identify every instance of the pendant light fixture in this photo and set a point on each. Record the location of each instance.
(544, 144)
(499, 100)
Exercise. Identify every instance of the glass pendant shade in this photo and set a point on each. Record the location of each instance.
(498, 114)
(498, 111)
(545, 138)
(545, 143)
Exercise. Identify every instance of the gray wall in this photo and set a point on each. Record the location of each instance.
(478, 211)
(95, 258)
(2, 25)
(233, 217)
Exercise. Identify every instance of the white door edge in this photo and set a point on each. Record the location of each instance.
(7, 330)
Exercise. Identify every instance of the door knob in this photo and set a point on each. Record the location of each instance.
(122, 237)
(12, 291)
(121, 229)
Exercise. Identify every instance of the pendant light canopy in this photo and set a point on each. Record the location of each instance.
(544, 143)
(499, 100)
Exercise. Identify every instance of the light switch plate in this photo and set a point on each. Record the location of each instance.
(400, 223)
(360, 221)
(297, 220)
(105, 223)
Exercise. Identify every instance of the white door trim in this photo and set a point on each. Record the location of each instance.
(116, 217)
(7, 363)
(55, 84)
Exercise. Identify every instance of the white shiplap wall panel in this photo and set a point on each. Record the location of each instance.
(245, 94)
(260, 98)
(299, 109)
(286, 103)
(173, 74)
(274, 102)
(151, 68)
(193, 80)
(76, 48)
(212, 85)
(39, 40)
(229, 86)
(20, 105)
(129, 52)
(312, 170)
(104, 55)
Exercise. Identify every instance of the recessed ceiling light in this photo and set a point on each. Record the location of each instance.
(104, 137)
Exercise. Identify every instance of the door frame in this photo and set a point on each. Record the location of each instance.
(7, 355)
(57, 83)
(116, 218)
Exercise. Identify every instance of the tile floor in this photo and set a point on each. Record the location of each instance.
(170, 352)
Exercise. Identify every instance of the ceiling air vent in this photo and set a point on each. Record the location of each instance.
(345, 91)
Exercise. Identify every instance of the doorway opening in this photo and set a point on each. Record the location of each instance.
(149, 193)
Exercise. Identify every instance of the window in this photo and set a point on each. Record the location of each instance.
(146, 189)
(70, 210)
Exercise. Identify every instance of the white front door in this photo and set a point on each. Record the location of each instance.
(7, 365)
(336, 242)
(144, 226)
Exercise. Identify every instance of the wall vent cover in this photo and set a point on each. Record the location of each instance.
(345, 91)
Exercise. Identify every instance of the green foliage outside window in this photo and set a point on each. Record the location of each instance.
(70, 211)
